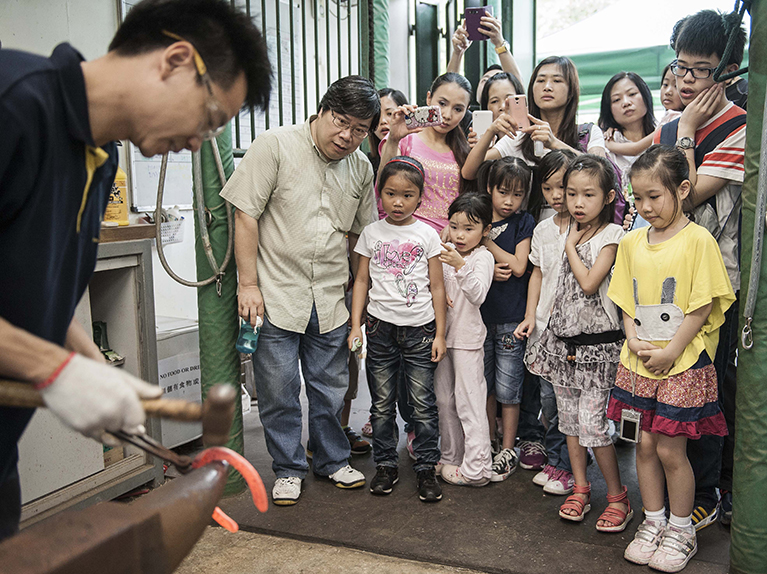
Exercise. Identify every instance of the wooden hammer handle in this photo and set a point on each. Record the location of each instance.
(23, 395)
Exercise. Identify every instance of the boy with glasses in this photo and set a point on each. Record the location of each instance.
(712, 134)
(59, 119)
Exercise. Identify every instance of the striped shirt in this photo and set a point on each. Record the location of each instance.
(726, 161)
(305, 205)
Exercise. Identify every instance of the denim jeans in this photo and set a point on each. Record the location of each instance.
(325, 368)
(389, 348)
(711, 457)
(504, 363)
(405, 408)
(555, 441)
(530, 427)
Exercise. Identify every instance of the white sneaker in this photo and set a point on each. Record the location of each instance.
(347, 477)
(676, 548)
(286, 491)
(543, 476)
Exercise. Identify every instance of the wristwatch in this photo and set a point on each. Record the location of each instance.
(502, 48)
(685, 143)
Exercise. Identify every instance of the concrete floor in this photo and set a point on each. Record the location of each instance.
(505, 527)
(246, 553)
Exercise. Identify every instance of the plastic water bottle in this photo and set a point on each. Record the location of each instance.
(248, 338)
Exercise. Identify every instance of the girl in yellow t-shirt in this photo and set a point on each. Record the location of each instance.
(672, 286)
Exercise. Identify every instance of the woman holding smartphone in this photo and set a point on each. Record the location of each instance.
(554, 90)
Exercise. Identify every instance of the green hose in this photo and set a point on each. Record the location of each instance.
(748, 551)
(219, 322)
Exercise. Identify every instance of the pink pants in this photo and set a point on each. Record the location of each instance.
(461, 390)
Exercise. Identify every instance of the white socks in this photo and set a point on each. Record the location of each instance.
(657, 516)
(681, 522)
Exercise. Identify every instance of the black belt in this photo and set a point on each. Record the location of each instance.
(589, 339)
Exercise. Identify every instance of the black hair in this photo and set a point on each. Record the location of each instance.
(404, 165)
(354, 96)
(549, 164)
(400, 99)
(456, 138)
(225, 37)
(568, 129)
(606, 117)
(602, 170)
(706, 33)
(478, 208)
(518, 88)
(670, 166)
(508, 172)
(664, 72)
(492, 67)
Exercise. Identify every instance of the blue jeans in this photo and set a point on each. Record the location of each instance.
(325, 367)
(504, 363)
(530, 427)
(555, 441)
(389, 348)
(405, 409)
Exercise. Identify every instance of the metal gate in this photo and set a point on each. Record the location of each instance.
(311, 44)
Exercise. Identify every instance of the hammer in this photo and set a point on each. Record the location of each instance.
(218, 408)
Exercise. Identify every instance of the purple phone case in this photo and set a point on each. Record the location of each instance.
(473, 17)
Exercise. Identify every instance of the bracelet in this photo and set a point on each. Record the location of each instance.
(49, 381)
(628, 341)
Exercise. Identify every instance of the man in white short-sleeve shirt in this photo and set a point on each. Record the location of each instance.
(299, 191)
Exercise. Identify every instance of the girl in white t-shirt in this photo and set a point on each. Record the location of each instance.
(553, 104)
(405, 327)
(546, 252)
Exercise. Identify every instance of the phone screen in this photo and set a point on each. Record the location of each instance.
(629, 430)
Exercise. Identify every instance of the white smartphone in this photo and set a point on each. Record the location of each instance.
(481, 120)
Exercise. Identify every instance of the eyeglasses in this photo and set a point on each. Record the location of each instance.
(697, 73)
(343, 125)
(211, 103)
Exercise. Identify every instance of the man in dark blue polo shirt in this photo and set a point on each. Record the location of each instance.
(176, 72)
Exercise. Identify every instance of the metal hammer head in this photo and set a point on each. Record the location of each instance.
(218, 413)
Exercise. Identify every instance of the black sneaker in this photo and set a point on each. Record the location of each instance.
(384, 480)
(429, 489)
(725, 508)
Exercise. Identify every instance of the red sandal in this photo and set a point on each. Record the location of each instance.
(618, 519)
(573, 502)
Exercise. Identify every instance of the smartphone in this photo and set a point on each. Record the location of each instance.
(473, 17)
(424, 117)
(481, 120)
(516, 107)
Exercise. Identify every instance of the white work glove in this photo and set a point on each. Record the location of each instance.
(92, 397)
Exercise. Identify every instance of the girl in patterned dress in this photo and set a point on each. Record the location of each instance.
(578, 352)
(672, 286)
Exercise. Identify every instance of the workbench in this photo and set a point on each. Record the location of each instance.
(60, 468)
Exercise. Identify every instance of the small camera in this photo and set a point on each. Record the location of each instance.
(631, 425)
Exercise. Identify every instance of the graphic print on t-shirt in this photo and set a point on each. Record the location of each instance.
(496, 231)
(399, 259)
